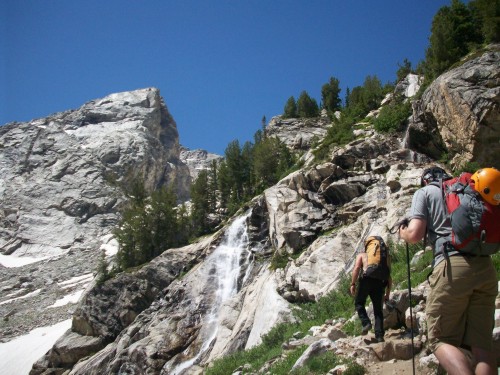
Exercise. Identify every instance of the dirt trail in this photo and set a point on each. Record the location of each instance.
(395, 367)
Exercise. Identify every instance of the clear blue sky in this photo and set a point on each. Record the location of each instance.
(220, 65)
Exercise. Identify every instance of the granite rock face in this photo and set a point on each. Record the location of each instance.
(459, 113)
(298, 134)
(62, 183)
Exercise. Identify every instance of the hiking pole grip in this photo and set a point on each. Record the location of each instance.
(401, 223)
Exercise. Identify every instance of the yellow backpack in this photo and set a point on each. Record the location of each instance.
(377, 253)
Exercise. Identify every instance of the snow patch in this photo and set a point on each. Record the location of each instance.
(17, 356)
(70, 298)
(110, 245)
(11, 261)
(76, 280)
(32, 294)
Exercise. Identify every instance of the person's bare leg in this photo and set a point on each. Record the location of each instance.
(486, 362)
(453, 360)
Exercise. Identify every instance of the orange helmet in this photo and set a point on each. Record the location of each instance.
(487, 183)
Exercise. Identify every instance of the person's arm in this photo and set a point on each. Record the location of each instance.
(419, 214)
(389, 282)
(414, 232)
(358, 266)
(388, 289)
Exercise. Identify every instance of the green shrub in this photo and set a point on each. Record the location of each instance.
(279, 260)
(340, 133)
(323, 363)
(470, 167)
(352, 327)
(392, 117)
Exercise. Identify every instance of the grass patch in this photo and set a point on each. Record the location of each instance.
(255, 357)
(284, 365)
(336, 304)
(399, 269)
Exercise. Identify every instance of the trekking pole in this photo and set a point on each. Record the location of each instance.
(411, 308)
(394, 230)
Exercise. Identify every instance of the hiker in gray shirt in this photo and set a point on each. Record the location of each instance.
(461, 304)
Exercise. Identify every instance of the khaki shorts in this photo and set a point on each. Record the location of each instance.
(461, 305)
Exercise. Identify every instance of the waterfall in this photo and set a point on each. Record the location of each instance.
(227, 262)
(410, 155)
(405, 149)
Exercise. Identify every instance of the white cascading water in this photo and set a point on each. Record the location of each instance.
(405, 144)
(227, 262)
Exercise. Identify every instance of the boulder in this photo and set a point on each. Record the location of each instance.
(459, 114)
(298, 134)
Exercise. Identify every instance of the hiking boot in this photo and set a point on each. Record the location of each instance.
(366, 328)
(380, 339)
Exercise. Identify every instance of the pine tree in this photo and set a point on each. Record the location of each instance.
(133, 236)
(347, 96)
(247, 175)
(184, 224)
(224, 183)
(290, 110)
(235, 168)
(372, 93)
(306, 106)
(454, 31)
(487, 13)
(356, 107)
(271, 159)
(148, 227)
(200, 203)
(163, 224)
(330, 95)
(213, 183)
(403, 70)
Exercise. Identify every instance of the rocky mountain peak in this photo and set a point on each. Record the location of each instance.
(198, 160)
(61, 186)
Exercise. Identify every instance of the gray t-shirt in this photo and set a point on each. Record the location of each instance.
(428, 204)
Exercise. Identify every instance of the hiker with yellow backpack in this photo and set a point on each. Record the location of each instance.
(460, 217)
(372, 269)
